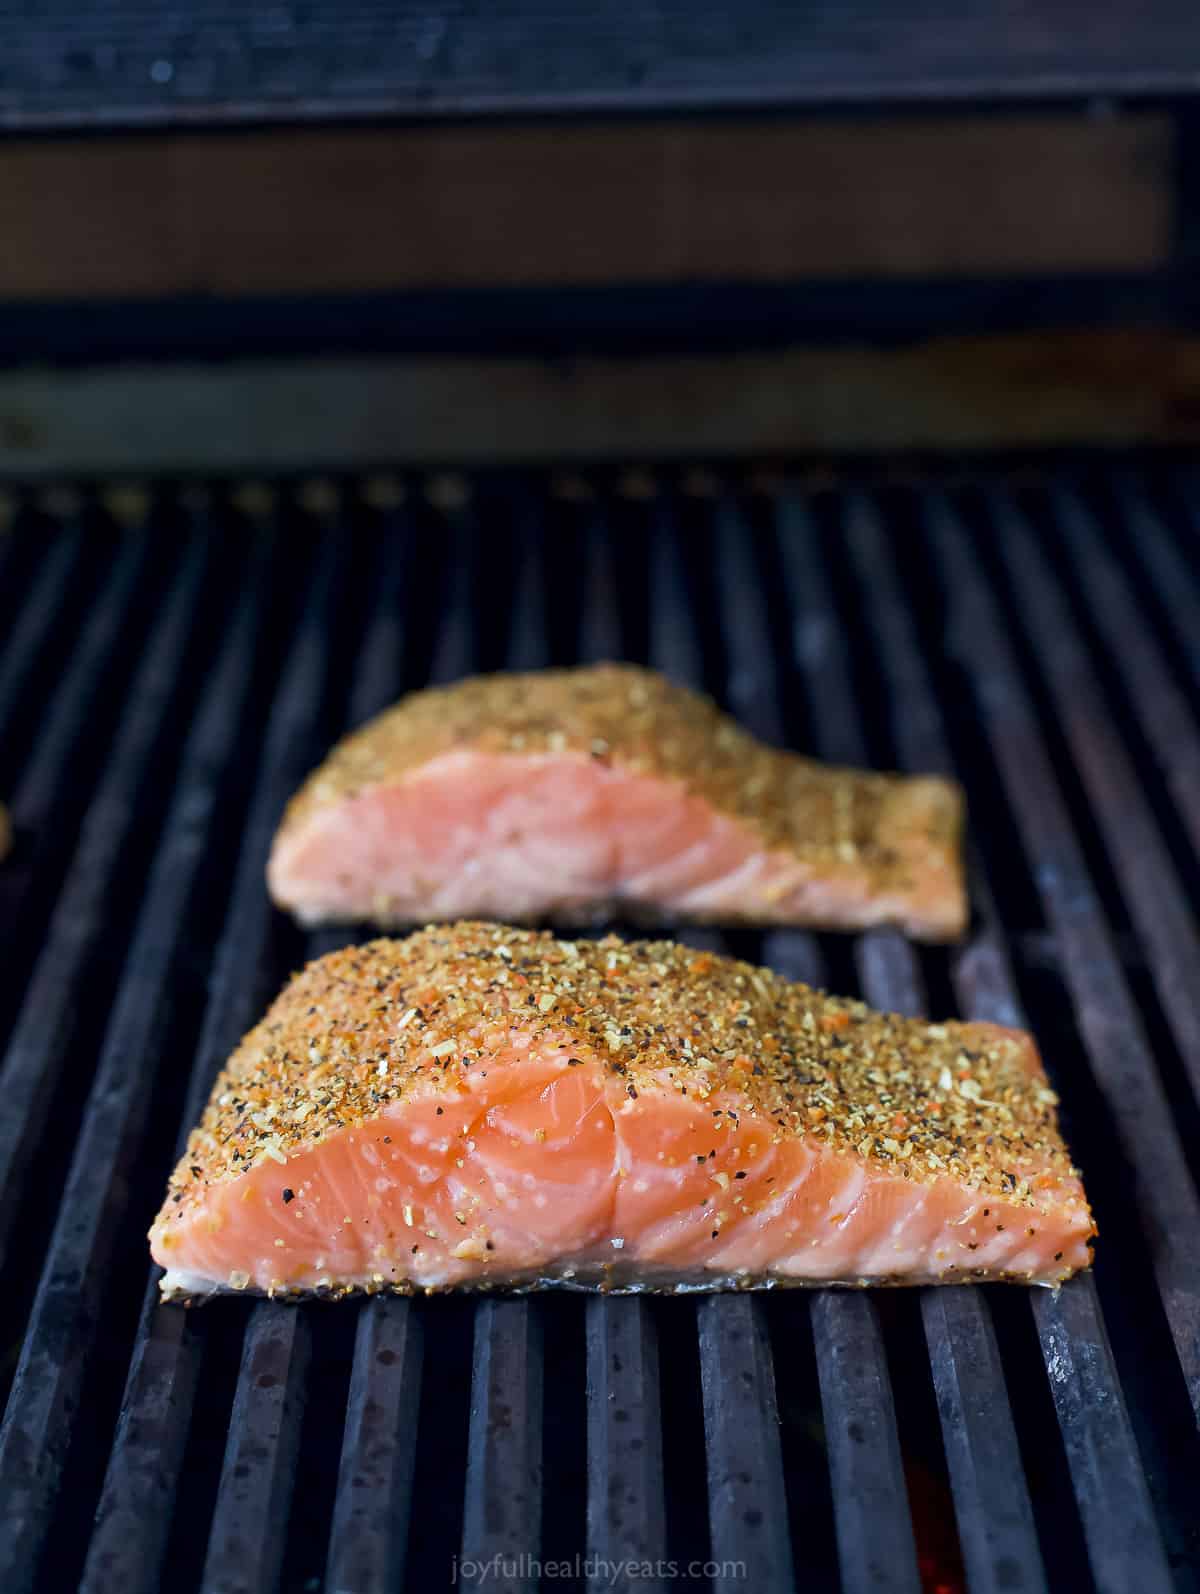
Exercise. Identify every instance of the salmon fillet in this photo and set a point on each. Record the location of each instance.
(482, 1106)
(575, 795)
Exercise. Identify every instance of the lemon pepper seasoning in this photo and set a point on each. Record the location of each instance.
(619, 714)
(801, 1062)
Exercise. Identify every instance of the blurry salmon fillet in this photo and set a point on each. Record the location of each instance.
(579, 794)
(484, 1106)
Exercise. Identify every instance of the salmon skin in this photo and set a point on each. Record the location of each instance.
(607, 792)
(480, 1106)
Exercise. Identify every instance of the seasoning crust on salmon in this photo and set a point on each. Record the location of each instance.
(607, 791)
(479, 1105)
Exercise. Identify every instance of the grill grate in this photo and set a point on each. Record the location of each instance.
(162, 695)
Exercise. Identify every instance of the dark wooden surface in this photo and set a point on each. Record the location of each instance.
(386, 210)
(68, 62)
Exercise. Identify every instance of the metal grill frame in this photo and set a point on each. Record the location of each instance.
(1035, 634)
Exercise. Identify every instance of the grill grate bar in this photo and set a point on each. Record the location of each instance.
(46, 1026)
(875, 1535)
(134, 1512)
(502, 1506)
(258, 1475)
(45, 1397)
(132, 1516)
(1148, 876)
(109, 620)
(820, 642)
(674, 638)
(15, 553)
(1114, 1501)
(1123, 1540)
(1162, 708)
(626, 1508)
(600, 636)
(374, 1489)
(1120, 1058)
(747, 1501)
(874, 1529)
(52, 780)
(1171, 573)
(167, 1351)
(874, 1526)
(373, 1498)
(454, 644)
(379, 677)
(245, 1548)
(991, 1497)
(1112, 1494)
(21, 662)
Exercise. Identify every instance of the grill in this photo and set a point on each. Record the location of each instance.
(163, 687)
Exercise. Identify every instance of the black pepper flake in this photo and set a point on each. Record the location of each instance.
(288, 1195)
(849, 1078)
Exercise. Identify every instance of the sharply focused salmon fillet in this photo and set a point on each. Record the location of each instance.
(580, 794)
(479, 1105)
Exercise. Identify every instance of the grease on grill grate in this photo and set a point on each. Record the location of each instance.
(160, 697)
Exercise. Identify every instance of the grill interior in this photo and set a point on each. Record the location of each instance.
(163, 687)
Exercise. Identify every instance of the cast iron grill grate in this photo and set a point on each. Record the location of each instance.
(162, 690)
